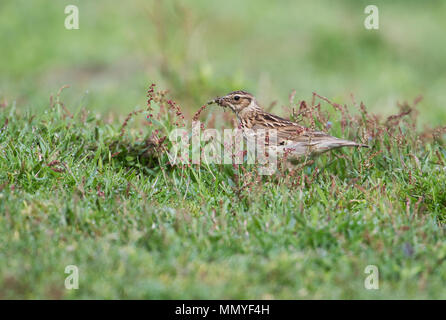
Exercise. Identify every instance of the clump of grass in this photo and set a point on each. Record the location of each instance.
(103, 196)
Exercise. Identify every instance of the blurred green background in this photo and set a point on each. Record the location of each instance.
(199, 49)
(202, 48)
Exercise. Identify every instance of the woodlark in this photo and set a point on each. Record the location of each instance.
(292, 137)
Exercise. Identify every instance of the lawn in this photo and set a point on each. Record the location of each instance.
(85, 179)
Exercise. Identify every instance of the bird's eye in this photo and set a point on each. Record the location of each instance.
(236, 98)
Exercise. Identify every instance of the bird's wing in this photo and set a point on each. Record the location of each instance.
(292, 133)
(288, 131)
(308, 137)
(299, 139)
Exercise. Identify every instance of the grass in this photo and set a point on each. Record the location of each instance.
(78, 190)
(82, 184)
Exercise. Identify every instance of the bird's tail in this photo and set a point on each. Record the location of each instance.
(317, 145)
(332, 143)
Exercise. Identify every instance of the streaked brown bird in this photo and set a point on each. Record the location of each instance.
(291, 136)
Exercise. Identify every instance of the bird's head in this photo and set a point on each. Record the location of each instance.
(237, 101)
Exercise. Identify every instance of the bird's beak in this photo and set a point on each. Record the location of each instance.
(220, 101)
(217, 100)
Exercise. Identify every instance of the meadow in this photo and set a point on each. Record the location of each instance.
(85, 179)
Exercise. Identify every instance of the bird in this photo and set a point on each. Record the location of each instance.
(292, 138)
